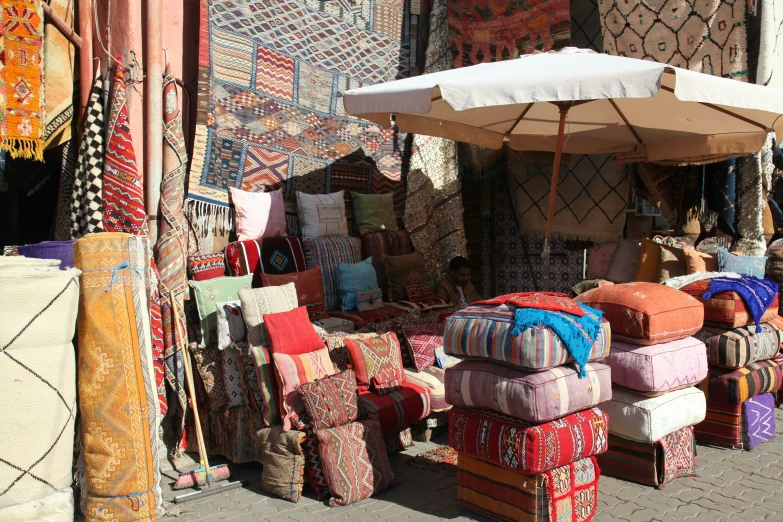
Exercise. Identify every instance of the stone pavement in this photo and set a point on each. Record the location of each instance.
(733, 485)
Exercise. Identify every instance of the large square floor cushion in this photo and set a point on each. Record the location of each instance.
(738, 347)
(660, 368)
(727, 309)
(646, 313)
(326, 252)
(399, 409)
(648, 419)
(485, 332)
(651, 463)
(270, 255)
(739, 426)
(524, 447)
(529, 396)
(432, 379)
(737, 386)
(375, 245)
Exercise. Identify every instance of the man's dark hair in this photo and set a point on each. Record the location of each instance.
(458, 263)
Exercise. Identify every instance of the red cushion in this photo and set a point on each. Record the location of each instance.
(270, 255)
(377, 357)
(207, 266)
(292, 333)
(399, 409)
(309, 289)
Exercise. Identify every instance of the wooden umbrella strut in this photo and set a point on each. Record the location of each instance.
(564, 108)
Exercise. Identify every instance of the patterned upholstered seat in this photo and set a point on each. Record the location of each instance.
(399, 409)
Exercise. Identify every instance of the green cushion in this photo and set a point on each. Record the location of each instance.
(374, 212)
(211, 292)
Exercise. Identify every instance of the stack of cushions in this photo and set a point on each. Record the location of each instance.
(520, 403)
(655, 366)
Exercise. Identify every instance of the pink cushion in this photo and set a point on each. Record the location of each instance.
(258, 214)
(660, 368)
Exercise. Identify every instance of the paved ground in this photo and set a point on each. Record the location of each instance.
(733, 486)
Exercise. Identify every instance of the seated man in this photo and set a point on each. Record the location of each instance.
(456, 288)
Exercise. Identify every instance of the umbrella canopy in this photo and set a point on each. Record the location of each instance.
(614, 105)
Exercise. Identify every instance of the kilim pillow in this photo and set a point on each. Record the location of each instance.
(727, 308)
(741, 346)
(374, 212)
(207, 266)
(283, 461)
(377, 362)
(743, 265)
(367, 471)
(322, 215)
(655, 370)
(292, 332)
(646, 313)
(625, 261)
(422, 340)
(260, 301)
(209, 363)
(416, 293)
(232, 377)
(267, 384)
(599, 258)
(671, 263)
(650, 419)
(230, 324)
(696, 261)
(270, 255)
(332, 401)
(735, 387)
(309, 289)
(258, 214)
(369, 300)
(403, 271)
(293, 370)
(208, 294)
(649, 259)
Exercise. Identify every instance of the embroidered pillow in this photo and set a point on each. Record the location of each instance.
(207, 266)
(599, 258)
(374, 212)
(258, 214)
(332, 401)
(309, 289)
(403, 271)
(208, 294)
(293, 370)
(354, 278)
(322, 215)
(260, 301)
(377, 362)
(369, 300)
(416, 293)
(625, 261)
(422, 341)
(283, 462)
(232, 378)
(267, 383)
(696, 261)
(292, 332)
(743, 265)
(230, 324)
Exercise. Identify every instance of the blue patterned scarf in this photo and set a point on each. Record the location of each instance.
(756, 293)
(577, 333)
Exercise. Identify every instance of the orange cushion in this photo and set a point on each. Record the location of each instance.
(649, 259)
(700, 262)
(646, 313)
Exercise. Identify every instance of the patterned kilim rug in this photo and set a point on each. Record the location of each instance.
(270, 110)
(58, 82)
(708, 37)
(442, 459)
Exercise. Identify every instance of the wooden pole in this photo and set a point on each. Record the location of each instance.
(153, 146)
(61, 26)
(555, 174)
(85, 53)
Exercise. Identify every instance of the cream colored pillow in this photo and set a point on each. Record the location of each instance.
(322, 215)
(269, 300)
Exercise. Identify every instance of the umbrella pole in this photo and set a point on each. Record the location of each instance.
(553, 188)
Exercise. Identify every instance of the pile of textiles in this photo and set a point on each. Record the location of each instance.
(655, 365)
(743, 335)
(524, 405)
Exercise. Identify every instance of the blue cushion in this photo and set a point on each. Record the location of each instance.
(743, 265)
(355, 278)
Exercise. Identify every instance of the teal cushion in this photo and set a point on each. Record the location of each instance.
(743, 265)
(355, 278)
(211, 292)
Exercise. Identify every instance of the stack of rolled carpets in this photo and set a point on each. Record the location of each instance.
(655, 366)
(522, 410)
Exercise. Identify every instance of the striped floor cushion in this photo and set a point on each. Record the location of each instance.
(326, 252)
(651, 463)
(485, 332)
(649, 419)
(739, 426)
(524, 447)
(726, 308)
(660, 368)
(529, 396)
(737, 386)
(398, 409)
(270, 255)
(431, 378)
(740, 346)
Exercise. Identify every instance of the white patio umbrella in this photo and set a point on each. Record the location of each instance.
(581, 102)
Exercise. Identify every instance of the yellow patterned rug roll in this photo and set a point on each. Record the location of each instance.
(119, 407)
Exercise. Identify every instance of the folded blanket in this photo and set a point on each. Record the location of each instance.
(756, 293)
(682, 281)
(577, 333)
(551, 301)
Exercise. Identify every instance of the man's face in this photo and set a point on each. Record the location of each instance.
(461, 276)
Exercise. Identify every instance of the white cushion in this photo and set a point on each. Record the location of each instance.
(322, 215)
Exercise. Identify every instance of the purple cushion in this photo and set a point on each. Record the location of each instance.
(529, 396)
(660, 368)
